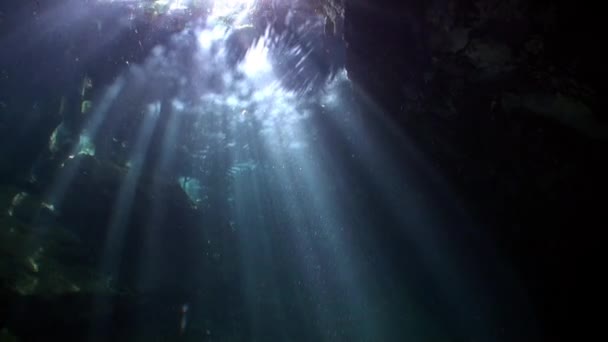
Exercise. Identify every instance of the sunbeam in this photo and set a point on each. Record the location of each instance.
(230, 183)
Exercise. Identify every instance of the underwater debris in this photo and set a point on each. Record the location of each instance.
(33, 266)
(26, 285)
(26, 207)
(184, 318)
(193, 188)
(16, 201)
(243, 167)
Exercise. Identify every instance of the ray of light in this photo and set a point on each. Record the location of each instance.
(117, 227)
(65, 175)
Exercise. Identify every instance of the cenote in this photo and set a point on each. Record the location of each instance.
(288, 170)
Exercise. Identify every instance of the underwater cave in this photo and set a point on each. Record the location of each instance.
(299, 170)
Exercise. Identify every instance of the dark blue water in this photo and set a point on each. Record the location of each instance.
(171, 174)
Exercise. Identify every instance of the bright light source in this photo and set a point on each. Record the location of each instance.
(160, 6)
(256, 64)
(173, 5)
(231, 7)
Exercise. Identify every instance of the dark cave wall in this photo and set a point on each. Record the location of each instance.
(502, 97)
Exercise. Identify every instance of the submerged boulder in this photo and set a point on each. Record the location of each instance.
(128, 220)
(43, 258)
